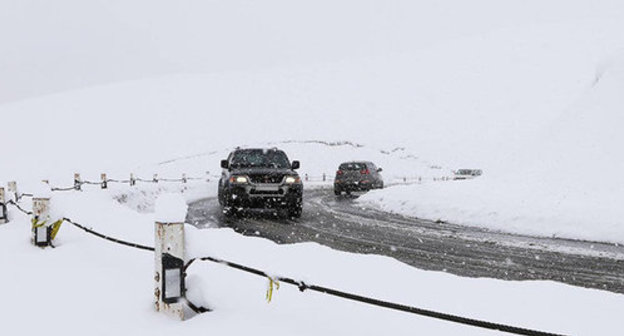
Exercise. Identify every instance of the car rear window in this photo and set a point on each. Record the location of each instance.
(352, 166)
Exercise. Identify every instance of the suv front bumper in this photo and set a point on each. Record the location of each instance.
(263, 196)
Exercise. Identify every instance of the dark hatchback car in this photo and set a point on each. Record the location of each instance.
(260, 179)
(357, 176)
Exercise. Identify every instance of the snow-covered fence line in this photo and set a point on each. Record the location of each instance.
(44, 228)
(394, 180)
(105, 182)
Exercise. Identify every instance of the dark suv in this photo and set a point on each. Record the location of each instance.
(357, 176)
(260, 179)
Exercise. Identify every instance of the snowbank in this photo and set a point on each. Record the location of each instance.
(567, 184)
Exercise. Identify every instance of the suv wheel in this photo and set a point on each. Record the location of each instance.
(229, 212)
(295, 212)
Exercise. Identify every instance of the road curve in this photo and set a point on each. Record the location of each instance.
(342, 224)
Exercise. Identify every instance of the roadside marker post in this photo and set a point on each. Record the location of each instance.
(132, 180)
(104, 181)
(41, 229)
(4, 215)
(12, 189)
(169, 254)
(77, 182)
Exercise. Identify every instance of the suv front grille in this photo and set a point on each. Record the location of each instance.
(266, 178)
(266, 192)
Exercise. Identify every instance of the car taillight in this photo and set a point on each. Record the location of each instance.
(365, 172)
(339, 172)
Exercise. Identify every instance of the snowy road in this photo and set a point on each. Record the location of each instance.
(342, 224)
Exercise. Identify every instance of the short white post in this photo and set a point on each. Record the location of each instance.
(4, 215)
(132, 180)
(155, 179)
(169, 255)
(41, 231)
(77, 182)
(12, 189)
(184, 178)
(104, 181)
(324, 177)
(306, 177)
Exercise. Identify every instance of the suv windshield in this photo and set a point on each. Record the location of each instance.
(352, 166)
(260, 158)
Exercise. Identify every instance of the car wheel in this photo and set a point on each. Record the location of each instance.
(337, 192)
(295, 212)
(295, 209)
(229, 212)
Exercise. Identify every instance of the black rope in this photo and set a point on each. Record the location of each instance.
(64, 189)
(19, 197)
(385, 304)
(13, 203)
(90, 182)
(146, 181)
(114, 240)
(118, 181)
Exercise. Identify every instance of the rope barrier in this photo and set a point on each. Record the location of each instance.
(18, 207)
(109, 238)
(63, 189)
(375, 302)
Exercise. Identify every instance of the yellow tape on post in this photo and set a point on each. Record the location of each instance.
(269, 294)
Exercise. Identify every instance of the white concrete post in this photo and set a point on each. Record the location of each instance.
(169, 255)
(184, 178)
(12, 189)
(104, 181)
(155, 179)
(41, 214)
(4, 215)
(132, 180)
(77, 182)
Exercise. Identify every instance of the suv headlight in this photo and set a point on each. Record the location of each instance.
(239, 179)
(292, 179)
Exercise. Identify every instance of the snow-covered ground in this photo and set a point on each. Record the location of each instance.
(88, 285)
